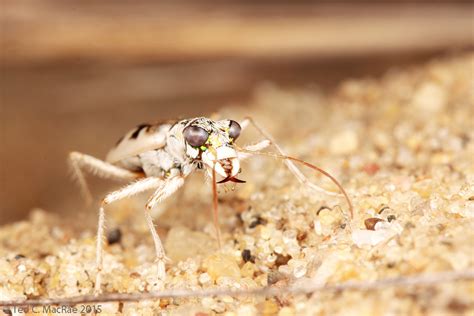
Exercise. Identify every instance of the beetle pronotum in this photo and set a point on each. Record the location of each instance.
(160, 156)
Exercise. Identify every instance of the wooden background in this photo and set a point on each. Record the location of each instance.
(76, 74)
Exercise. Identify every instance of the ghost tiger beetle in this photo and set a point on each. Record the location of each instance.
(160, 156)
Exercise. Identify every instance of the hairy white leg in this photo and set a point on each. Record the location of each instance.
(166, 188)
(129, 190)
(80, 162)
(244, 124)
(98, 251)
(290, 165)
(255, 147)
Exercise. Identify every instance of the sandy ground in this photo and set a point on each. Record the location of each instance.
(402, 147)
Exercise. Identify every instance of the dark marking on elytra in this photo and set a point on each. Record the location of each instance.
(138, 130)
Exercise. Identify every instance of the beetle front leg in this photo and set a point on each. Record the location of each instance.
(167, 188)
(289, 164)
(253, 148)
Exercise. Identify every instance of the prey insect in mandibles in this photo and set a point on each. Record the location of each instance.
(160, 156)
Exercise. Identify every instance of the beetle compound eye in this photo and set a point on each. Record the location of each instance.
(195, 136)
(234, 129)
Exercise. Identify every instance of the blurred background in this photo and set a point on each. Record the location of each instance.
(75, 75)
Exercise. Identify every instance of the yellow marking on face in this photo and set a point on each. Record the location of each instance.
(214, 141)
(213, 151)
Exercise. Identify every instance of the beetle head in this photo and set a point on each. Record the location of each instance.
(212, 143)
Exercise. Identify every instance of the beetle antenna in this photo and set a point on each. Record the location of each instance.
(309, 165)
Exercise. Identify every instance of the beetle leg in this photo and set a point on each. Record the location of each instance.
(290, 165)
(129, 190)
(255, 148)
(79, 162)
(166, 188)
